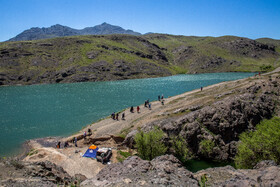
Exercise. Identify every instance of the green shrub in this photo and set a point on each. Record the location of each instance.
(265, 67)
(181, 150)
(206, 147)
(261, 144)
(149, 145)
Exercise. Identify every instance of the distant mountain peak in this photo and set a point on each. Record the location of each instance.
(57, 30)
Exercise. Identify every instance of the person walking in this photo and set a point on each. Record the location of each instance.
(138, 109)
(131, 109)
(150, 106)
(158, 97)
(117, 116)
(123, 116)
(76, 142)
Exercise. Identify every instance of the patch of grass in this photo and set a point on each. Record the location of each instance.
(32, 152)
(124, 132)
(122, 155)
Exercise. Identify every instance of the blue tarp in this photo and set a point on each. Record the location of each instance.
(91, 152)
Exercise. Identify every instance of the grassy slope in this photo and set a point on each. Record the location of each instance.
(72, 51)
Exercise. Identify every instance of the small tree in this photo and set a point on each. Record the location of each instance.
(149, 145)
(261, 144)
(181, 150)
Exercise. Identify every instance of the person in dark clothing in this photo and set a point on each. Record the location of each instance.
(131, 109)
(117, 116)
(162, 101)
(66, 144)
(123, 116)
(145, 104)
(75, 140)
(201, 88)
(158, 97)
(113, 115)
(162, 96)
(89, 132)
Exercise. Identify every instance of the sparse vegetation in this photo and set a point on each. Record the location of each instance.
(180, 148)
(149, 145)
(206, 147)
(261, 144)
(122, 155)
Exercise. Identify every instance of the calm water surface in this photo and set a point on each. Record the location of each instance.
(28, 112)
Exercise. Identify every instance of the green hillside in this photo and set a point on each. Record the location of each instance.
(114, 57)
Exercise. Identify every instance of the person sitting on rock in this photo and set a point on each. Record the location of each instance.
(58, 145)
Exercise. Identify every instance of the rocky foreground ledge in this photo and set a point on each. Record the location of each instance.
(168, 171)
(164, 170)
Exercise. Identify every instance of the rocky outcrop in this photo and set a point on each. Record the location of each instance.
(14, 172)
(168, 171)
(162, 171)
(220, 122)
(263, 175)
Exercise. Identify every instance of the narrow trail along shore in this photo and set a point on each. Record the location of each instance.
(70, 158)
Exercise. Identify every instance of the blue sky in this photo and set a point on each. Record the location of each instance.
(247, 18)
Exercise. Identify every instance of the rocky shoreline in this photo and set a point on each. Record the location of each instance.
(219, 113)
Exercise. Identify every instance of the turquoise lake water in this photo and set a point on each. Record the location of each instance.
(35, 111)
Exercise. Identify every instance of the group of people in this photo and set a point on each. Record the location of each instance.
(58, 145)
(74, 140)
(147, 104)
(161, 99)
(116, 116)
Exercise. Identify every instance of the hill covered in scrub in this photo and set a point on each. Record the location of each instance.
(116, 57)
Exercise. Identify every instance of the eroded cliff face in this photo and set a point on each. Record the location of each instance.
(221, 121)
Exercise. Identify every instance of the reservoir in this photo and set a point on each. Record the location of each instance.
(36, 111)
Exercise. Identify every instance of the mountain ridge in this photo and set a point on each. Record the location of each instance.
(57, 30)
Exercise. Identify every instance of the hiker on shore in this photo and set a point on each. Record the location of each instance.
(117, 116)
(123, 116)
(162, 96)
(75, 141)
(158, 97)
(89, 132)
(85, 134)
(131, 109)
(201, 88)
(150, 106)
(138, 109)
(66, 144)
(113, 115)
(58, 145)
(145, 104)
(162, 101)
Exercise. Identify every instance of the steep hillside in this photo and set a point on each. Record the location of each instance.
(114, 57)
(60, 31)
